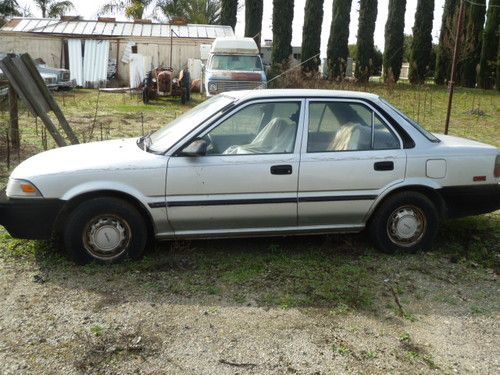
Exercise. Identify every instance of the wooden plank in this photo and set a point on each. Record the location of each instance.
(16, 78)
(28, 62)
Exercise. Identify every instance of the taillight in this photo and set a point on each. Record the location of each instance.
(497, 167)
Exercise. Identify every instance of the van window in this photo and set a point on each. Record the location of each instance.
(236, 62)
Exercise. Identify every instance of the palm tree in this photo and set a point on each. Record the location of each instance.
(54, 8)
(193, 11)
(133, 8)
(8, 8)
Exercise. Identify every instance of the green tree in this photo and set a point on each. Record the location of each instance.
(282, 33)
(8, 8)
(133, 8)
(228, 11)
(394, 39)
(421, 47)
(445, 46)
(192, 11)
(311, 34)
(366, 28)
(53, 8)
(490, 59)
(473, 40)
(338, 51)
(253, 19)
(408, 40)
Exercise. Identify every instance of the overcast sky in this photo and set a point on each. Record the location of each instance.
(88, 9)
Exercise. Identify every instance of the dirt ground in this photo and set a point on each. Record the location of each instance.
(57, 318)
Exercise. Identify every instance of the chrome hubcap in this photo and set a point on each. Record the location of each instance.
(406, 226)
(106, 237)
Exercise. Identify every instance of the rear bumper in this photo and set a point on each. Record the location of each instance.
(463, 201)
(29, 218)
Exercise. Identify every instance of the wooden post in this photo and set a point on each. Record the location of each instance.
(14, 119)
(117, 58)
(49, 98)
(35, 107)
(454, 65)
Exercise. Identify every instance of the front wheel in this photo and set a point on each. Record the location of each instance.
(106, 230)
(406, 222)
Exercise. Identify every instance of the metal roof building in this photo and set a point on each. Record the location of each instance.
(160, 44)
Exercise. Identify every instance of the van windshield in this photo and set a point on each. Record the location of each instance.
(236, 62)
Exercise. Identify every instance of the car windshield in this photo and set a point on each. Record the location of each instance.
(236, 62)
(167, 136)
(427, 134)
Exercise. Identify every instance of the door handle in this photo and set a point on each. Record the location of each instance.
(281, 169)
(384, 166)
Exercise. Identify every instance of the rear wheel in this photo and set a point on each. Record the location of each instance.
(406, 222)
(106, 230)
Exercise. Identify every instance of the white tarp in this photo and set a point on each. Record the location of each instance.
(95, 62)
(194, 66)
(127, 52)
(136, 69)
(75, 60)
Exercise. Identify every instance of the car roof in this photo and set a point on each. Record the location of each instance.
(301, 93)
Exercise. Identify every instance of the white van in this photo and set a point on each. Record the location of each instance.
(233, 64)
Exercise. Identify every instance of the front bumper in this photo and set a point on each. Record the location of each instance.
(463, 201)
(29, 218)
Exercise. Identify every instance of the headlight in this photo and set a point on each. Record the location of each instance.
(22, 189)
(212, 87)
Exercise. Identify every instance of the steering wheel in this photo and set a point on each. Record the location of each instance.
(212, 147)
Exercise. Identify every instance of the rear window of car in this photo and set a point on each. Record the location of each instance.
(427, 134)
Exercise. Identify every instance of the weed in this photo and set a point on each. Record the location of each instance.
(341, 349)
(97, 330)
(405, 338)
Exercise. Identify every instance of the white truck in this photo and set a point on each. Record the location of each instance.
(233, 64)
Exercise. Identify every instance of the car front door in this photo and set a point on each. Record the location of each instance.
(350, 154)
(247, 181)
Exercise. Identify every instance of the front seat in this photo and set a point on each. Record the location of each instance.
(278, 136)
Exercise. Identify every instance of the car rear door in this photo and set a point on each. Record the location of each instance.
(248, 180)
(350, 155)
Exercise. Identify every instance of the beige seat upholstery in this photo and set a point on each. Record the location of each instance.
(346, 138)
(277, 136)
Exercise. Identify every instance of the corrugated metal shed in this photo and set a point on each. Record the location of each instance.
(113, 29)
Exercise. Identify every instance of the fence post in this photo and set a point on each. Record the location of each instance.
(14, 119)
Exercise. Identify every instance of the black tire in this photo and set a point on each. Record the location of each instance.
(105, 229)
(404, 223)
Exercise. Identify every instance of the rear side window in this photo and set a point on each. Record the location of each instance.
(345, 126)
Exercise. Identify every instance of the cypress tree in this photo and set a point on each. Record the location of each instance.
(421, 47)
(282, 32)
(338, 51)
(444, 50)
(394, 39)
(311, 34)
(490, 49)
(253, 19)
(366, 28)
(473, 41)
(228, 12)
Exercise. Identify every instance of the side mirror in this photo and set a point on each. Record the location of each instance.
(198, 147)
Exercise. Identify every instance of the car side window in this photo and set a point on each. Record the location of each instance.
(344, 126)
(261, 128)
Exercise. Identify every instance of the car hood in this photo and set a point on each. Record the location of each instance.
(108, 155)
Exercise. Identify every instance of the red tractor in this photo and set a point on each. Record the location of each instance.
(161, 82)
